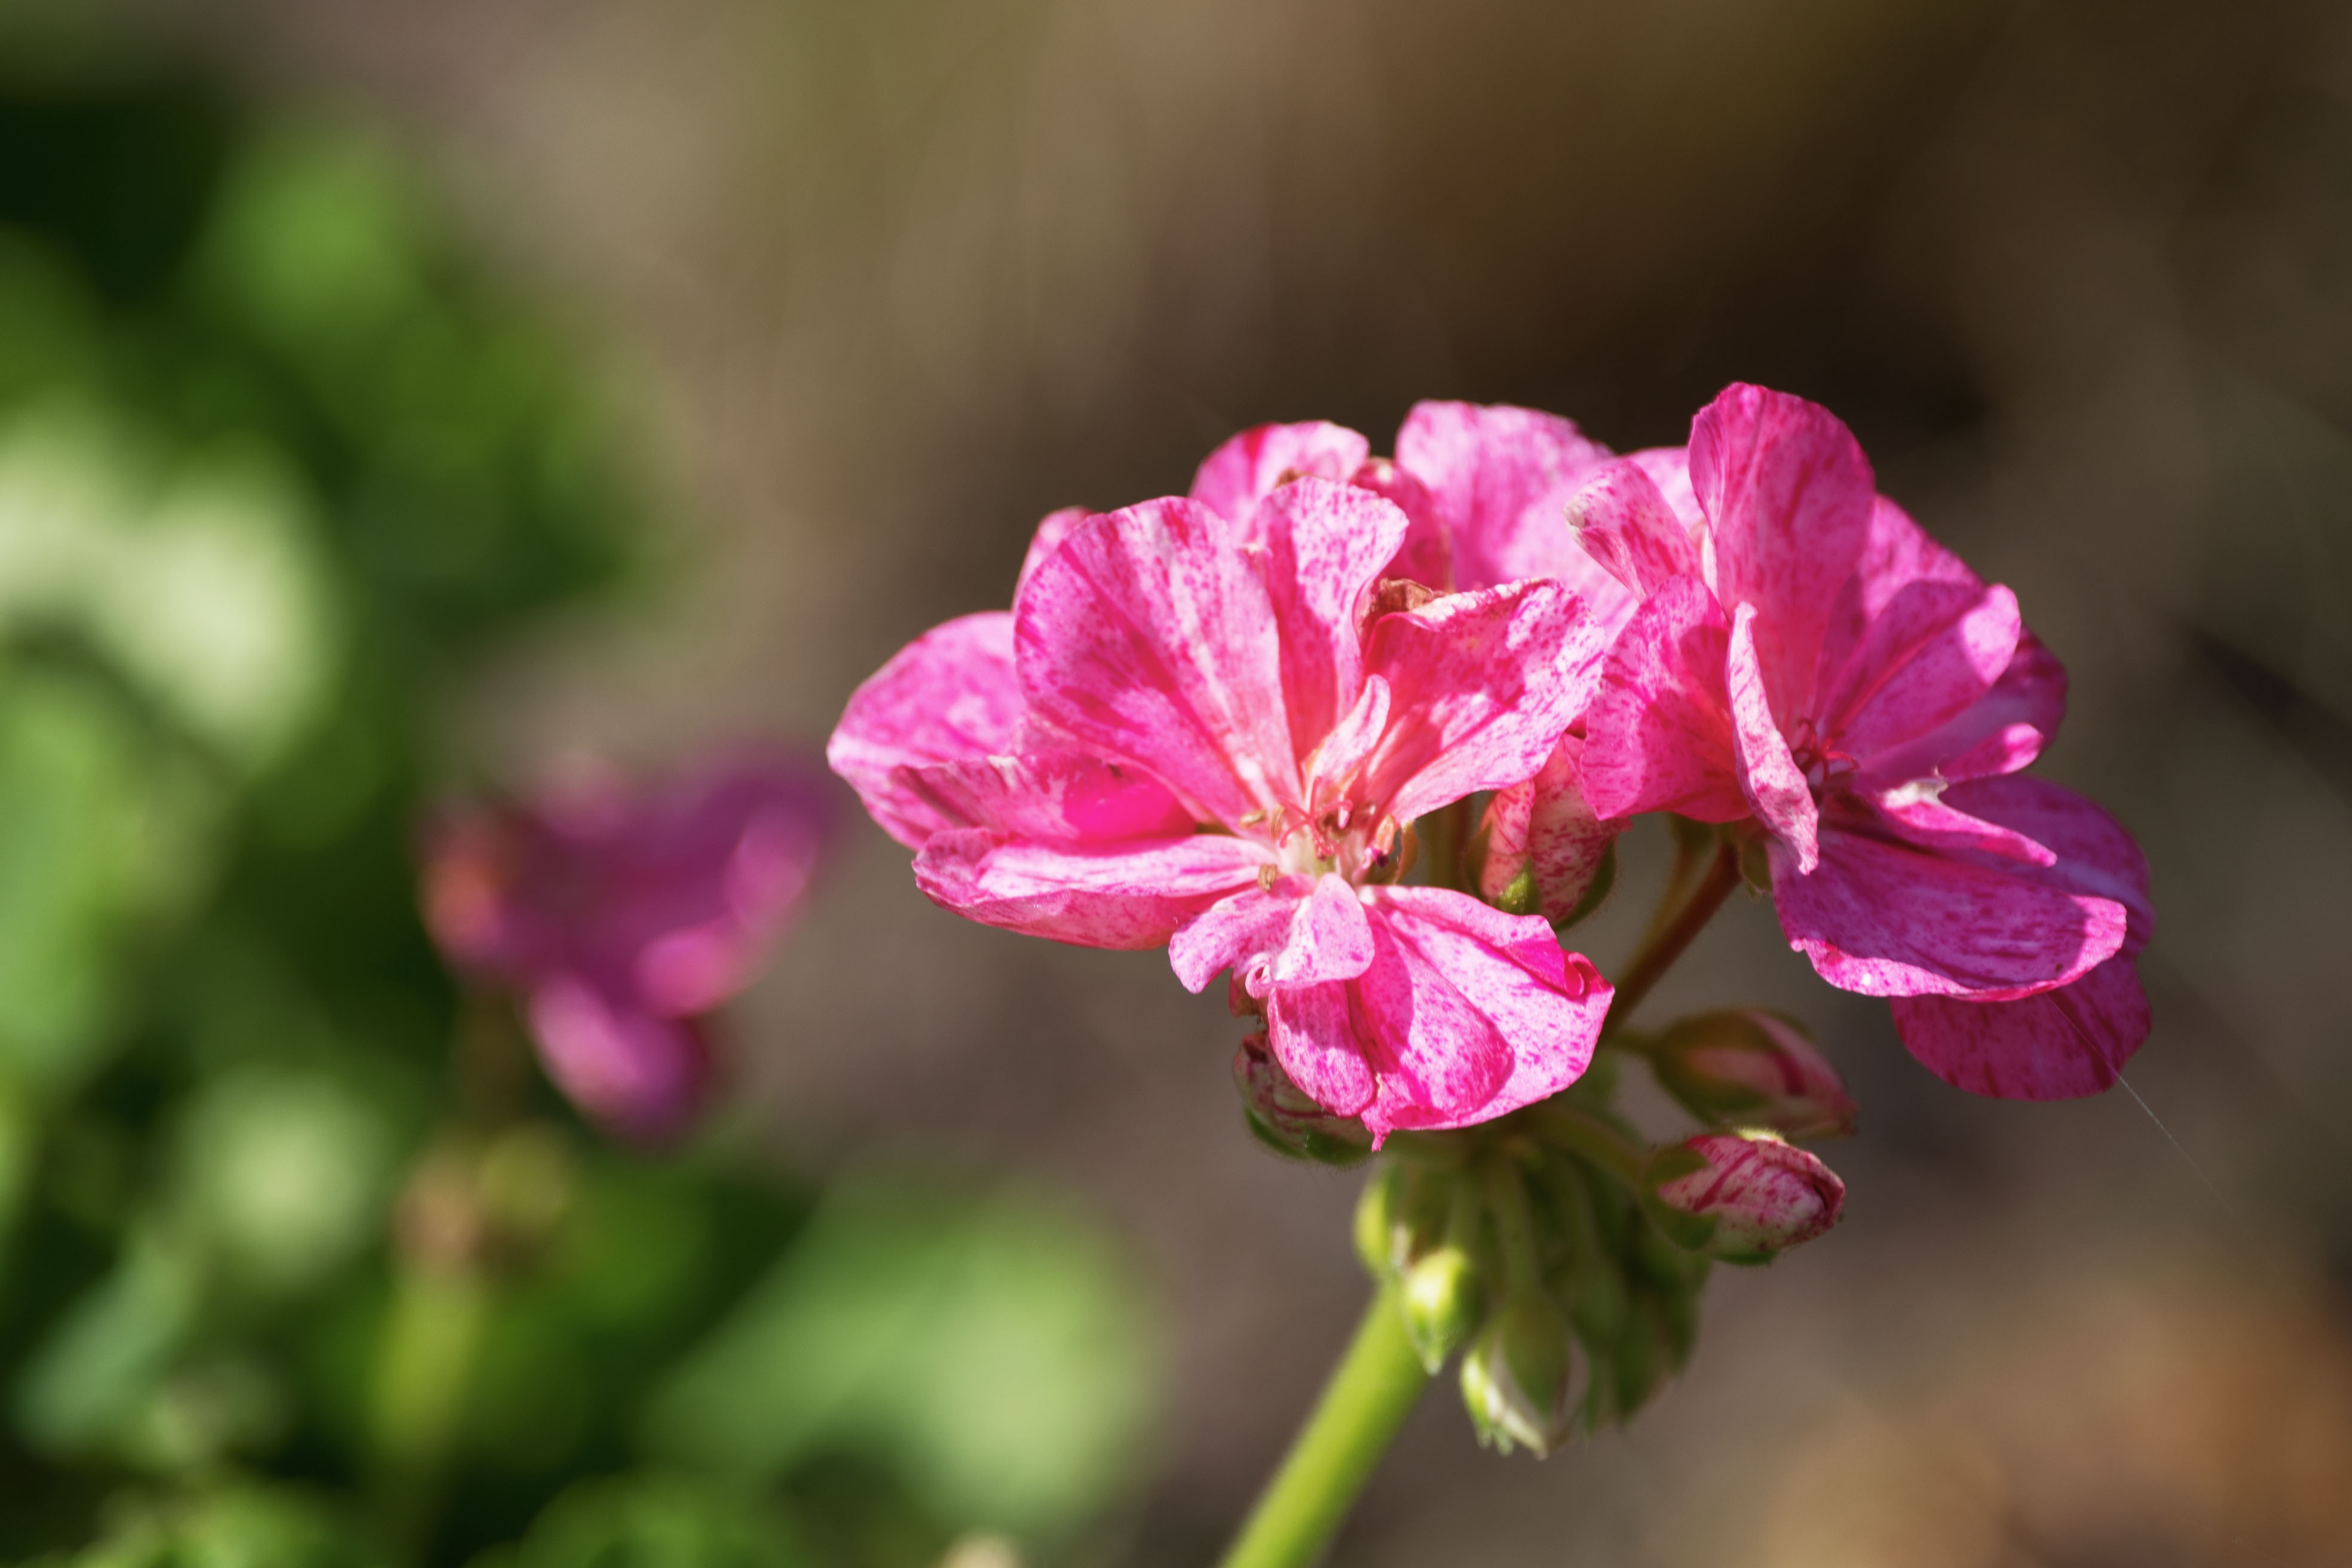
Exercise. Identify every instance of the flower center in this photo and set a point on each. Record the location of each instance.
(1824, 766)
(1349, 838)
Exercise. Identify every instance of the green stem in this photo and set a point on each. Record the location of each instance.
(1658, 954)
(424, 1369)
(1370, 1394)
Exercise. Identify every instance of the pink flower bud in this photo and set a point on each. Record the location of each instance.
(1745, 1068)
(1764, 1194)
(1286, 1119)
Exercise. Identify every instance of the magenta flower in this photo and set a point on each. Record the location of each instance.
(1202, 726)
(1484, 486)
(619, 919)
(1805, 658)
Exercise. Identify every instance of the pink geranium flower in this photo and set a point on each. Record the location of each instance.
(1202, 726)
(619, 918)
(1484, 486)
(1805, 658)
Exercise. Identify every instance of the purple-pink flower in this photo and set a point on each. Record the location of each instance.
(619, 917)
(1209, 722)
(1805, 658)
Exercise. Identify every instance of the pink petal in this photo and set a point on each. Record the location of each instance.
(1323, 545)
(1248, 467)
(1768, 772)
(1149, 636)
(639, 1076)
(1048, 538)
(2003, 731)
(1499, 475)
(1316, 1038)
(1788, 497)
(1669, 469)
(1887, 919)
(1425, 556)
(1063, 796)
(1659, 730)
(2060, 1045)
(1547, 827)
(1238, 932)
(949, 695)
(1132, 895)
(1932, 823)
(1467, 1013)
(1299, 931)
(1482, 685)
(1623, 522)
(2091, 852)
(1896, 554)
(1932, 654)
(1331, 769)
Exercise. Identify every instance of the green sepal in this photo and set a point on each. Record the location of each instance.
(1686, 1230)
(1316, 1148)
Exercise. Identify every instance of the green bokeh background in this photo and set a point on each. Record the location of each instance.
(280, 466)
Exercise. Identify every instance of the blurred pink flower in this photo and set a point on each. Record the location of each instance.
(1805, 657)
(1202, 725)
(618, 917)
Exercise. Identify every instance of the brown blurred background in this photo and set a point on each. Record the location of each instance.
(888, 281)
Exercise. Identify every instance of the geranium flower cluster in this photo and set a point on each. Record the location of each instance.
(1364, 731)
(1230, 723)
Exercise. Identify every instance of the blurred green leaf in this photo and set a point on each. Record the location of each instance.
(286, 1174)
(234, 1524)
(655, 1521)
(96, 829)
(990, 1349)
(107, 1357)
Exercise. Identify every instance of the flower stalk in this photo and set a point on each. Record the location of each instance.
(1658, 954)
(1372, 1391)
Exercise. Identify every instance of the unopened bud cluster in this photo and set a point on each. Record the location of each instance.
(1563, 1260)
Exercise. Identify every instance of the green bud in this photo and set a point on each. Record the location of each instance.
(1515, 1375)
(1596, 1304)
(1639, 1363)
(1440, 1298)
(1375, 1216)
(1403, 1214)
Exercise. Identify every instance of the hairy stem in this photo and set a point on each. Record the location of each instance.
(1660, 950)
(1371, 1392)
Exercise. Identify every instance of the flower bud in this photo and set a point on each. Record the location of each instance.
(1743, 1068)
(1764, 1194)
(1286, 1119)
(1402, 1215)
(1440, 1298)
(1515, 1377)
